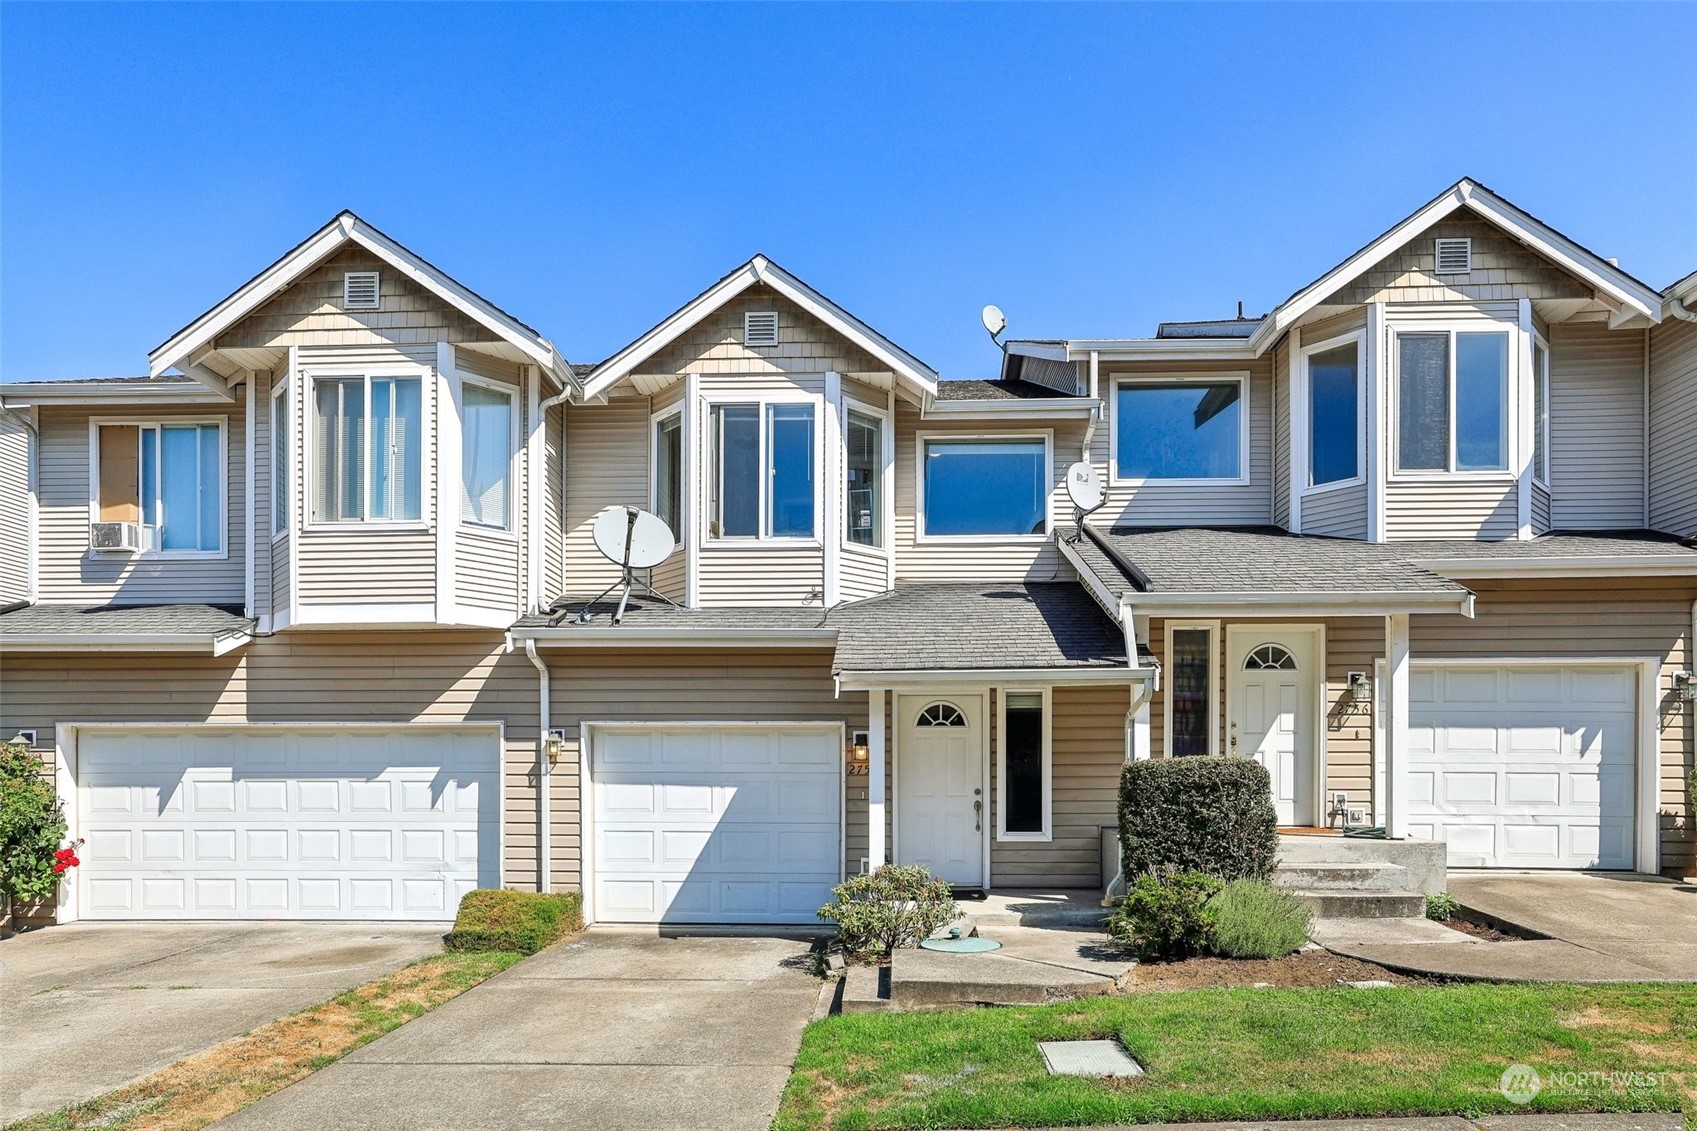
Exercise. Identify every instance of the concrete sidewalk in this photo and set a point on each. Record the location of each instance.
(1597, 1122)
(622, 1029)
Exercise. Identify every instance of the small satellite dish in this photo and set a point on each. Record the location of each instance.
(1084, 486)
(994, 320)
(626, 535)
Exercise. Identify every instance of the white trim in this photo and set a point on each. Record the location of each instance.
(278, 422)
(1121, 380)
(1378, 386)
(1048, 408)
(944, 678)
(1396, 702)
(1315, 682)
(1214, 693)
(430, 420)
(1045, 834)
(114, 394)
(1264, 604)
(1087, 577)
(251, 526)
(1522, 427)
(1451, 324)
(592, 636)
(1542, 377)
(1623, 565)
(297, 484)
(1305, 398)
(375, 614)
(921, 438)
(535, 490)
(763, 403)
(96, 423)
(949, 693)
(695, 488)
(877, 821)
(1295, 464)
(442, 412)
(66, 910)
(885, 547)
(832, 487)
(208, 643)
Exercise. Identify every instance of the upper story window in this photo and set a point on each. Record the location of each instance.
(280, 448)
(169, 478)
(985, 487)
(1180, 429)
(1334, 414)
(366, 444)
(764, 484)
(486, 455)
(863, 517)
(1540, 412)
(1452, 400)
(669, 470)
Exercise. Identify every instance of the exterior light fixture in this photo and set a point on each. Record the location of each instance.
(858, 748)
(1360, 688)
(1685, 686)
(556, 746)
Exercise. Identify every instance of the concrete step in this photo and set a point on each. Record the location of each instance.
(1028, 917)
(865, 990)
(1425, 860)
(1357, 875)
(1364, 904)
(928, 979)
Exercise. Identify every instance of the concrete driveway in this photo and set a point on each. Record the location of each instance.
(620, 1029)
(1645, 925)
(88, 1006)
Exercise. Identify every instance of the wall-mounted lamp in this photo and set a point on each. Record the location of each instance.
(1360, 689)
(556, 746)
(23, 738)
(859, 749)
(1685, 686)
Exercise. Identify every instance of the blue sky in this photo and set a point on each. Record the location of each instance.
(1091, 169)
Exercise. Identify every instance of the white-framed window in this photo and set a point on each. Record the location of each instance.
(865, 432)
(281, 447)
(1336, 394)
(488, 423)
(167, 476)
(366, 447)
(1181, 428)
(984, 488)
(764, 477)
(1192, 702)
(667, 486)
(1024, 765)
(1540, 410)
(1450, 395)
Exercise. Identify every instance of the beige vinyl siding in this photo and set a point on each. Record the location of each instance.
(606, 465)
(861, 574)
(1280, 402)
(734, 573)
(362, 566)
(553, 504)
(693, 685)
(1457, 507)
(955, 560)
(486, 571)
(16, 529)
(1673, 427)
(1157, 504)
(70, 574)
(279, 572)
(1340, 512)
(307, 677)
(1503, 269)
(1540, 509)
(1087, 754)
(1596, 427)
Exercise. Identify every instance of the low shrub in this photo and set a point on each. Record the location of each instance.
(1253, 919)
(1166, 916)
(1441, 907)
(522, 921)
(32, 831)
(898, 905)
(1201, 814)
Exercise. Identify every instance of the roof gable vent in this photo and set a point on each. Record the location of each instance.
(1455, 256)
(760, 328)
(359, 290)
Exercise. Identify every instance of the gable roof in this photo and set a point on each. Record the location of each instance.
(183, 348)
(760, 270)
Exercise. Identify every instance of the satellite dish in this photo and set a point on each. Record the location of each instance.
(1084, 486)
(994, 320)
(633, 537)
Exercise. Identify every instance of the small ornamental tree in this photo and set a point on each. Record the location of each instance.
(33, 853)
(898, 905)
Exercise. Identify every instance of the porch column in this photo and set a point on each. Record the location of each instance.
(1396, 726)
(875, 854)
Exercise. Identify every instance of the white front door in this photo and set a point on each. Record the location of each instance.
(1272, 689)
(940, 786)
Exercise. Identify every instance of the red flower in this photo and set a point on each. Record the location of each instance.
(66, 858)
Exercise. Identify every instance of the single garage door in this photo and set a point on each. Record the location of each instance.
(272, 823)
(716, 824)
(1524, 767)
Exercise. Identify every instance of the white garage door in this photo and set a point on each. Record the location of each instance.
(716, 824)
(1524, 767)
(267, 823)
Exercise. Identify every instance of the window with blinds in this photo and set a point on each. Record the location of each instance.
(486, 454)
(366, 450)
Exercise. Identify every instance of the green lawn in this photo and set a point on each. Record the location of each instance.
(1253, 1054)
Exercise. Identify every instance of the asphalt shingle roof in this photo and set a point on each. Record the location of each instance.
(976, 626)
(647, 613)
(1003, 390)
(124, 620)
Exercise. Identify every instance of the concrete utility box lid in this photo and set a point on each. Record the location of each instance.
(1088, 1058)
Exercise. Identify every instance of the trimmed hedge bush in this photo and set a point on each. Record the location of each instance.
(522, 921)
(896, 906)
(1253, 919)
(1202, 814)
(1166, 917)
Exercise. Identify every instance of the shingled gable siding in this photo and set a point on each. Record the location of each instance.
(1503, 268)
(311, 677)
(1597, 427)
(1673, 425)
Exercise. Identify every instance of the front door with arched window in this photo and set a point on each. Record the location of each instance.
(1273, 709)
(942, 797)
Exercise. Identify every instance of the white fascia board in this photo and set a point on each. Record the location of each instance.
(204, 643)
(1162, 349)
(1297, 604)
(78, 392)
(1095, 586)
(1106, 676)
(1047, 351)
(611, 636)
(1080, 408)
(1602, 565)
(920, 377)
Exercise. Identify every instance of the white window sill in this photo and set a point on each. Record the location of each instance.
(982, 539)
(1232, 481)
(371, 526)
(496, 533)
(1340, 485)
(1025, 838)
(1431, 477)
(762, 544)
(161, 555)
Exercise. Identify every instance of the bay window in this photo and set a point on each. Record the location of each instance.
(1540, 413)
(669, 471)
(486, 455)
(1179, 429)
(863, 517)
(763, 479)
(1452, 400)
(985, 487)
(281, 446)
(168, 478)
(1334, 414)
(366, 449)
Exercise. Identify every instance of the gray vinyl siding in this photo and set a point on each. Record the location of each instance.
(362, 567)
(279, 573)
(490, 565)
(309, 677)
(1540, 509)
(606, 465)
(1281, 401)
(1596, 427)
(1673, 427)
(1156, 504)
(553, 504)
(262, 500)
(1455, 508)
(16, 530)
(1503, 269)
(862, 574)
(69, 574)
(486, 571)
(1340, 512)
(735, 573)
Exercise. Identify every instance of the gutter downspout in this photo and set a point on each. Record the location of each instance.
(544, 771)
(1678, 309)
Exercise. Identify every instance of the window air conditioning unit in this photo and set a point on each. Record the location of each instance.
(115, 537)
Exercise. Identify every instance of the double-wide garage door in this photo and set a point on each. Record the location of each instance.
(1525, 767)
(274, 823)
(715, 823)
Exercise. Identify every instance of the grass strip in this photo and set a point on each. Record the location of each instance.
(222, 1080)
(1248, 1054)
